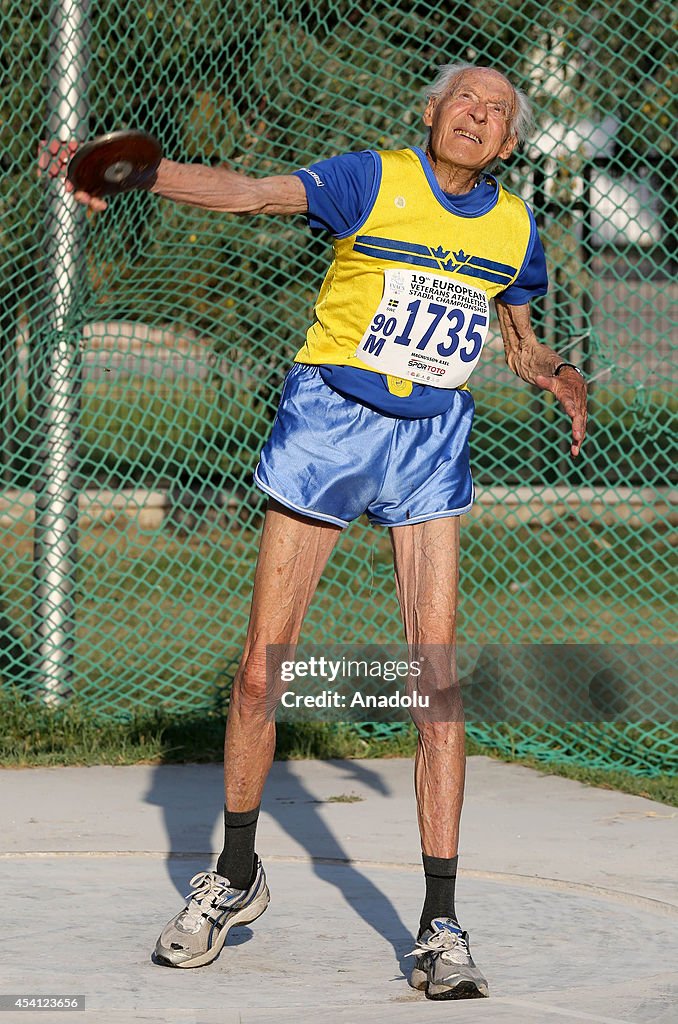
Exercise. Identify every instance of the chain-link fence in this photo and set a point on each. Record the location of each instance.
(143, 350)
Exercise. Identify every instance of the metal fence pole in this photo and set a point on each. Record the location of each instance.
(58, 356)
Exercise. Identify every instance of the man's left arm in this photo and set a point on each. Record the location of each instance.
(536, 363)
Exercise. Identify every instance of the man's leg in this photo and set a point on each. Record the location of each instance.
(292, 555)
(426, 561)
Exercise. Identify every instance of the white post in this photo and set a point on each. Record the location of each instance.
(57, 354)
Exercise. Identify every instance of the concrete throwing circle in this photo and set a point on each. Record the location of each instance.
(331, 945)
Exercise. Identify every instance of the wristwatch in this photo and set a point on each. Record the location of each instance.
(561, 366)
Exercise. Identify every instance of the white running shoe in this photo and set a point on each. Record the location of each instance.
(197, 934)
(444, 967)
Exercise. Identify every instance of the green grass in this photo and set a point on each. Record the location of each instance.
(34, 736)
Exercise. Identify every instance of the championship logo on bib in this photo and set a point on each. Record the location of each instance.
(427, 328)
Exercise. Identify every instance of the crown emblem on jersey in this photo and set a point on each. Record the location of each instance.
(441, 254)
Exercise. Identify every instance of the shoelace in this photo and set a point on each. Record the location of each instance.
(204, 890)
(449, 945)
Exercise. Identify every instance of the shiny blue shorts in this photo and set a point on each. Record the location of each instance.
(333, 458)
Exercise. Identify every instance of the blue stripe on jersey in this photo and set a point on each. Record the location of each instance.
(499, 268)
(398, 246)
(397, 257)
(435, 259)
(483, 275)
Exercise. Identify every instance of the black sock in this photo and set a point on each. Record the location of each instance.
(237, 859)
(441, 877)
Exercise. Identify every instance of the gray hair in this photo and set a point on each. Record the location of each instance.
(522, 122)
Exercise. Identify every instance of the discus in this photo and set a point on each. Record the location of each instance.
(117, 162)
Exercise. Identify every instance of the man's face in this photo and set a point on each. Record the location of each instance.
(470, 124)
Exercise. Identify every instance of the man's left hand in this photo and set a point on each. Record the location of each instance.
(569, 387)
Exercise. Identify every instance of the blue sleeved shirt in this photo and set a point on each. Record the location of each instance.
(340, 191)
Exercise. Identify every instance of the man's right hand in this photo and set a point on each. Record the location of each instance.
(94, 203)
(53, 159)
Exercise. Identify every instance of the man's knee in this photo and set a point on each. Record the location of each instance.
(257, 686)
(439, 704)
(250, 686)
(437, 735)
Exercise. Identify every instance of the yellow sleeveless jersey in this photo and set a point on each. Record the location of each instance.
(407, 292)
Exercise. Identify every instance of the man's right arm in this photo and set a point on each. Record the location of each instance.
(220, 188)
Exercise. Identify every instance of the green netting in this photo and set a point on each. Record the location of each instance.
(142, 351)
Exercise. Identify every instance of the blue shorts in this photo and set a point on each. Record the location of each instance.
(333, 458)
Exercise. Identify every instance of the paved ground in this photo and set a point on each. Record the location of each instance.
(569, 893)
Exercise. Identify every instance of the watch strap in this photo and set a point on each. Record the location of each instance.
(561, 366)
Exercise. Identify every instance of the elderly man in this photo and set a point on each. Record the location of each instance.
(374, 418)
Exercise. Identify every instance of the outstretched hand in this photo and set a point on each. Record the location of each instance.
(53, 159)
(569, 387)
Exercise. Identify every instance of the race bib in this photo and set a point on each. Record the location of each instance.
(427, 328)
